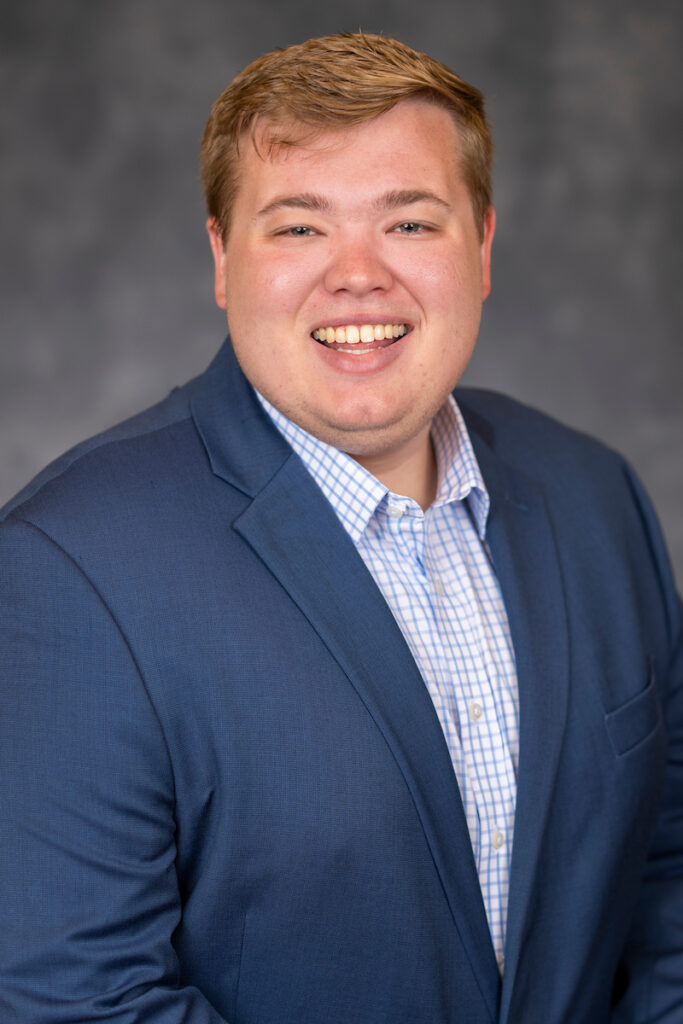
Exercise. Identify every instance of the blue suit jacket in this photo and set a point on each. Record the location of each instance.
(225, 792)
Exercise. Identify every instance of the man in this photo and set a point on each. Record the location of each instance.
(326, 696)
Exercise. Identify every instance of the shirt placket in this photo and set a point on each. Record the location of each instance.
(485, 763)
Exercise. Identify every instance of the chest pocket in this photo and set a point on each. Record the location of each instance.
(636, 720)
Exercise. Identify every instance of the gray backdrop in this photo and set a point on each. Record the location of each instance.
(106, 276)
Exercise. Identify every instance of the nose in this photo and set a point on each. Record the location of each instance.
(357, 268)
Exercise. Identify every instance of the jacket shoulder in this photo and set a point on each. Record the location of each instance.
(97, 463)
(593, 495)
(531, 440)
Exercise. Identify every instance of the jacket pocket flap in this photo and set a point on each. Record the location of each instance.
(635, 720)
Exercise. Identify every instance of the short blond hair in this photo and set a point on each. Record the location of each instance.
(330, 83)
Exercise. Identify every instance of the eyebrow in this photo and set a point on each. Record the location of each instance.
(302, 201)
(393, 200)
(405, 197)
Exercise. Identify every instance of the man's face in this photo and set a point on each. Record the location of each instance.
(369, 232)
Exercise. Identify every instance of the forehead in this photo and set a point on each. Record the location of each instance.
(413, 145)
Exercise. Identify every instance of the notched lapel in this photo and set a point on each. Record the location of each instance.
(295, 531)
(524, 553)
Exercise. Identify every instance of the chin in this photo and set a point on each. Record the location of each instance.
(363, 440)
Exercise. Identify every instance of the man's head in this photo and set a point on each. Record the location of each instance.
(351, 229)
(333, 83)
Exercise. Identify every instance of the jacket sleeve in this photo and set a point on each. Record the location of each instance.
(89, 896)
(650, 980)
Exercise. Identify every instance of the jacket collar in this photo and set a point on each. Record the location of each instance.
(243, 447)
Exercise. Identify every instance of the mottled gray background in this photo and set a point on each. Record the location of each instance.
(106, 279)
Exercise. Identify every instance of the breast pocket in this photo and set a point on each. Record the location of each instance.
(637, 720)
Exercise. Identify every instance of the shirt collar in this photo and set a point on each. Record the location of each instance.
(459, 474)
(355, 493)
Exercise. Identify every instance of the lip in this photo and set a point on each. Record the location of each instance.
(378, 317)
(362, 358)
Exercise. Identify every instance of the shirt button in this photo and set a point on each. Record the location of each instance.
(476, 711)
(500, 959)
(438, 587)
(497, 840)
(395, 511)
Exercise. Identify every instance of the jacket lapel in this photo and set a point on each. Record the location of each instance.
(294, 530)
(523, 549)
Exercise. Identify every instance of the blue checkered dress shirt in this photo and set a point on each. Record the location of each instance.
(435, 573)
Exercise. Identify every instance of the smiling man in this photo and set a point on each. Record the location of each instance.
(354, 299)
(329, 693)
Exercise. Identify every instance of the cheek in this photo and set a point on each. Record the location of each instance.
(266, 288)
(441, 279)
(462, 271)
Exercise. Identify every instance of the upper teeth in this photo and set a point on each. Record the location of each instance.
(351, 334)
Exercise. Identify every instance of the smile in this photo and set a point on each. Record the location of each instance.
(363, 334)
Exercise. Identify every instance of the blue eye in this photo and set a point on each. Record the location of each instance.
(409, 227)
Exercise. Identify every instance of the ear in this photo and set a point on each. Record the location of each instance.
(487, 241)
(219, 261)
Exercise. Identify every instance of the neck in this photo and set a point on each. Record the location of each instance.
(412, 471)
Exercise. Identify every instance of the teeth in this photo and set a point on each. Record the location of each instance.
(352, 334)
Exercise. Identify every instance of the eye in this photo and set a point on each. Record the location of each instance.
(296, 231)
(410, 227)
